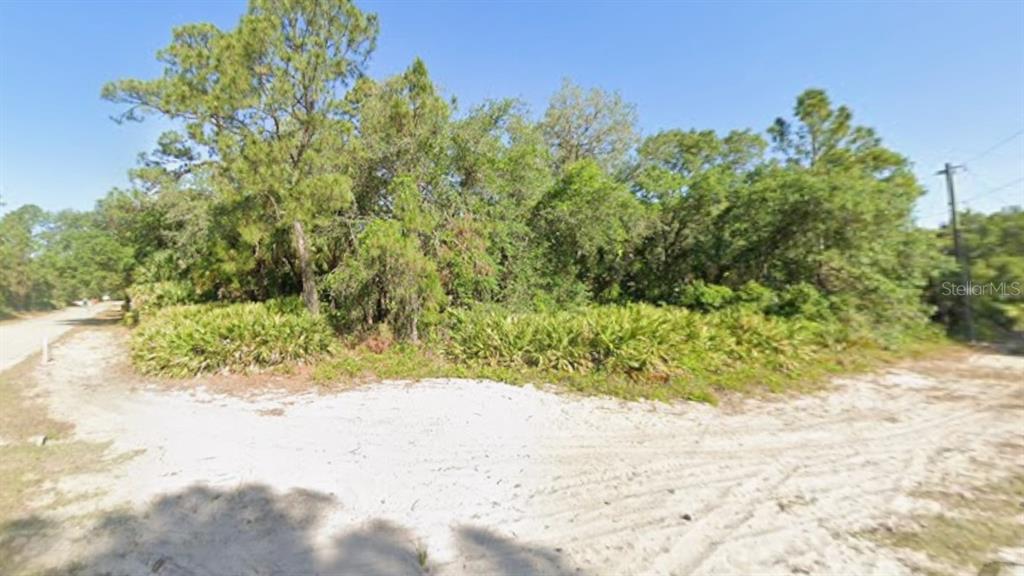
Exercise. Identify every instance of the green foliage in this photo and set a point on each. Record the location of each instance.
(146, 298)
(48, 260)
(187, 340)
(22, 285)
(264, 101)
(581, 124)
(645, 350)
(290, 172)
(402, 133)
(590, 222)
(704, 297)
(403, 361)
(834, 215)
(995, 248)
(85, 259)
(388, 280)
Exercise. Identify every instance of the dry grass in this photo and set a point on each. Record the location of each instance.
(21, 416)
(26, 468)
(973, 526)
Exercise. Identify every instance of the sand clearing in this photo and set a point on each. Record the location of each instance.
(470, 477)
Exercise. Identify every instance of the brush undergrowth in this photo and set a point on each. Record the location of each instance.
(631, 351)
(187, 340)
(628, 351)
(146, 299)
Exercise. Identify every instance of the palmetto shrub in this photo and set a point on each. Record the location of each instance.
(192, 339)
(639, 341)
(146, 298)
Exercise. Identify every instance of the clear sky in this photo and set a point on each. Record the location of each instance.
(939, 81)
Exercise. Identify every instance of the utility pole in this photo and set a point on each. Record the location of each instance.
(960, 250)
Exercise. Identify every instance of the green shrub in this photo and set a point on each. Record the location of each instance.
(146, 298)
(705, 297)
(192, 339)
(389, 280)
(645, 350)
(402, 361)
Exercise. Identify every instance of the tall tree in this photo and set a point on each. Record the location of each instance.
(20, 284)
(401, 131)
(264, 102)
(590, 124)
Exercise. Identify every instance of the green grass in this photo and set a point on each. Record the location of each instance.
(187, 340)
(397, 362)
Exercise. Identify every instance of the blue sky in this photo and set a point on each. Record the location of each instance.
(940, 82)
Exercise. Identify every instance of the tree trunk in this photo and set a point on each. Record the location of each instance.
(309, 295)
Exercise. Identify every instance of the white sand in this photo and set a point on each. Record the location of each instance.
(492, 479)
(19, 339)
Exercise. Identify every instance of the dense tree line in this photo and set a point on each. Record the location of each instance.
(51, 259)
(995, 249)
(292, 172)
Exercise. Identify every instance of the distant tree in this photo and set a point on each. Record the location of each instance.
(263, 102)
(82, 258)
(590, 124)
(995, 245)
(21, 285)
(51, 259)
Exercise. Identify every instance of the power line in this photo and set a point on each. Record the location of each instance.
(963, 203)
(996, 146)
(990, 191)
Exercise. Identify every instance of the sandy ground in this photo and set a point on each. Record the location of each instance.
(470, 477)
(21, 338)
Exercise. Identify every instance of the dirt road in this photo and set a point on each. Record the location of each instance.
(19, 339)
(469, 477)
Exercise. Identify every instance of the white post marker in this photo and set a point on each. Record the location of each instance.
(46, 350)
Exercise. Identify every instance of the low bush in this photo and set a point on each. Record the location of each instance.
(192, 339)
(630, 351)
(639, 350)
(147, 298)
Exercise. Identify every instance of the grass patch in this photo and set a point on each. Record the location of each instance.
(23, 418)
(403, 361)
(971, 528)
(188, 340)
(25, 467)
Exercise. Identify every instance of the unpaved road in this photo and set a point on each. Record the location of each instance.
(19, 339)
(468, 477)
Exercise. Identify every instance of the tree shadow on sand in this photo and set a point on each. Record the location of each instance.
(486, 552)
(102, 320)
(251, 530)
